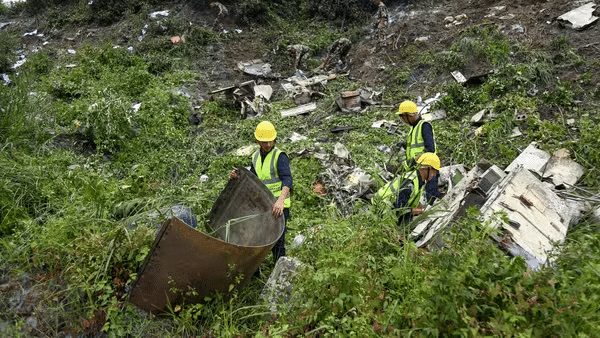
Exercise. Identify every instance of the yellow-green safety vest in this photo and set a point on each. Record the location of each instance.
(268, 174)
(390, 190)
(415, 145)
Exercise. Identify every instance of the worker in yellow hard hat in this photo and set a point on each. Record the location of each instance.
(272, 166)
(406, 191)
(420, 139)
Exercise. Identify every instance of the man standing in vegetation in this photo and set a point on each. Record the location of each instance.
(336, 55)
(299, 54)
(272, 166)
(222, 12)
(408, 188)
(419, 140)
(381, 20)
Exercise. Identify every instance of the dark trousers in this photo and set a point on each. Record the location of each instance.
(278, 249)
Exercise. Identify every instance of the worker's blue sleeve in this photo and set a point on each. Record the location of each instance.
(404, 194)
(427, 132)
(252, 170)
(432, 192)
(284, 171)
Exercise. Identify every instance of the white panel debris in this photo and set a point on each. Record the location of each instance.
(579, 18)
(156, 14)
(303, 109)
(538, 218)
(458, 76)
(531, 158)
(562, 169)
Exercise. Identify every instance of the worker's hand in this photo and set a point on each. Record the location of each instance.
(418, 210)
(278, 207)
(233, 174)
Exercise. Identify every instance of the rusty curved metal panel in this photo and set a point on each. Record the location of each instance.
(185, 259)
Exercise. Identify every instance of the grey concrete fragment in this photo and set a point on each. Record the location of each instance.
(531, 158)
(279, 287)
(579, 18)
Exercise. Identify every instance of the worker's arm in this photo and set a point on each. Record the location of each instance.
(427, 132)
(285, 175)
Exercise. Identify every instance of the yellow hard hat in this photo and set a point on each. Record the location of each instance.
(429, 159)
(265, 131)
(407, 107)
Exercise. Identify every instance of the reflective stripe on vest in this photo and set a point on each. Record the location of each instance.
(415, 144)
(390, 190)
(268, 175)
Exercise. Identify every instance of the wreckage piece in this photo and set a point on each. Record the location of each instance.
(303, 109)
(279, 286)
(465, 193)
(531, 158)
(257, 68)
(183, 259)
(579, 18)
(356, 101)
(561, 169)
(543, 217)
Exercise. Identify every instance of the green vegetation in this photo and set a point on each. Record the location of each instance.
(79, 165)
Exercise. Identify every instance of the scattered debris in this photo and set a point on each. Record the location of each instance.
(203, 178)
(303, 109)
(278, 289)
(71, 51)
(423, 108)
(561, 169)
(579, 18)
(175, 40)
(516, 132)
(241, 231)
(455, 21)
(33, 33)
(144, 30)
(295, 137)
(449, 176)
(319, 188)
(136, 106)
(458, 76)
(341, 151)
(4, 24)
(19, 62)
(478, 118)
(422, 38)
(246, 150)
(156, 14)
(5, 80)
(531, 158)
(357, 101)
(299, 239)
(257, 68)
(514, 29)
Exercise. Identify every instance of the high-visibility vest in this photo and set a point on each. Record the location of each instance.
(390, 190)
(267, 173)
(415, 145)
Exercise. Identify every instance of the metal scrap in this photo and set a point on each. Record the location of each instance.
(579, 18)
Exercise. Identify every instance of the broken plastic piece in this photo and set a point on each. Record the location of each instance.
(579, 18)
